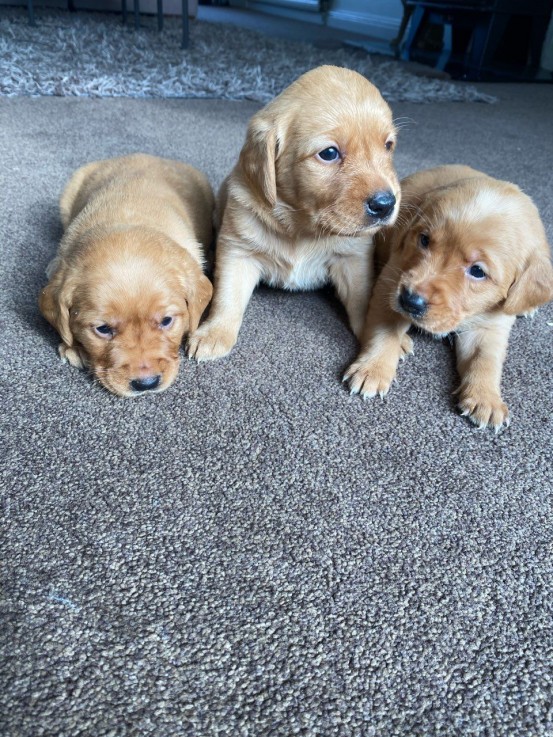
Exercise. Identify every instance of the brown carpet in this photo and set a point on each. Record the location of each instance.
(255, 552)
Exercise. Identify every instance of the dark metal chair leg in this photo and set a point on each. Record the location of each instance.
(416, 20)
(447, 46)
(537, 39)
(30, 12)
(136, 14)
(184, 43)
(124, 10)
(160, 15)
(485, 40)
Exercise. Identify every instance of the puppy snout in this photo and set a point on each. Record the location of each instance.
(145, 383)
(380, 205)
(412, 303)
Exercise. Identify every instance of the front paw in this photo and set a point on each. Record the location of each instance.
(209, 342)
(369, 378)
(71, 355)
(406, 346)
(484, 409)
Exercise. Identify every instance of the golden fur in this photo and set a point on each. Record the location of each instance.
(290, 218)
(455, 225)
(127, 282)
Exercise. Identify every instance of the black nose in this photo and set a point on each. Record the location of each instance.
(412, 303)
(145, 384)
(380, 205)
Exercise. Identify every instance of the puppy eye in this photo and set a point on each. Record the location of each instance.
(389, 145)
(424, 240)
(104, 331)
(166, 322)
(328, 155)
(476, 272)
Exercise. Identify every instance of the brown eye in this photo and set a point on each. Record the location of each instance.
(328, 155)
(424, 240)
(104, 331)
(476, 272)
(389, 145)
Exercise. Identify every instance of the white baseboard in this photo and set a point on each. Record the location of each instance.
(148, 7)
(375, 26)
(281, 12)
(382, 27)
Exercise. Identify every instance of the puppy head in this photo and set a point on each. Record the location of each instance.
(320, 155)
(124, 303)
(465, 249)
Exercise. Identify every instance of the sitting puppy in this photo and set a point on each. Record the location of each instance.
(313, 183)
(127, 282)
(468, 254)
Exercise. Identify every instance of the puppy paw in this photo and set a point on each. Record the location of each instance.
(209, 342)
(406, 346)
(369, 378)
(486, 410)
(71, 356)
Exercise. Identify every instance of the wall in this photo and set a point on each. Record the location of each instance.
(377, 18)
(170, 7)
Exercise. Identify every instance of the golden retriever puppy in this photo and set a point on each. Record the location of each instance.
(127, 282)
(314, 182)
(467, 255)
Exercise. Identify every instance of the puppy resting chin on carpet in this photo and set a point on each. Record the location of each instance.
(467, 255)
(314, 182)
(127, 282)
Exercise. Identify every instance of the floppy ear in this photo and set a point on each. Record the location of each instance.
(55, 303)
(197, 299)
(257, 159)
(196, 288)
(532, 287)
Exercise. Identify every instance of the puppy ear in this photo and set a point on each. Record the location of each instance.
(257, 159)
(532, 287)
(196, 289)
(55, 303)
(197, 299)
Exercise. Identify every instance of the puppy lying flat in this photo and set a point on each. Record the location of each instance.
(127, 282)
(313, 183)
(467, 255)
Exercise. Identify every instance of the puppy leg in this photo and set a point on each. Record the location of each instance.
(352, 278)
(72, 356)
(236, 276)
(481, 353)
(385, 342)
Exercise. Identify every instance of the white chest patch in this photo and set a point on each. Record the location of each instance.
(304, 272)
(304, 265)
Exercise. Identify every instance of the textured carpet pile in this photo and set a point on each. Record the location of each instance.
(95, 55)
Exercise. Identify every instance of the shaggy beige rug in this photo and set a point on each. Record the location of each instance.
(95, 55)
